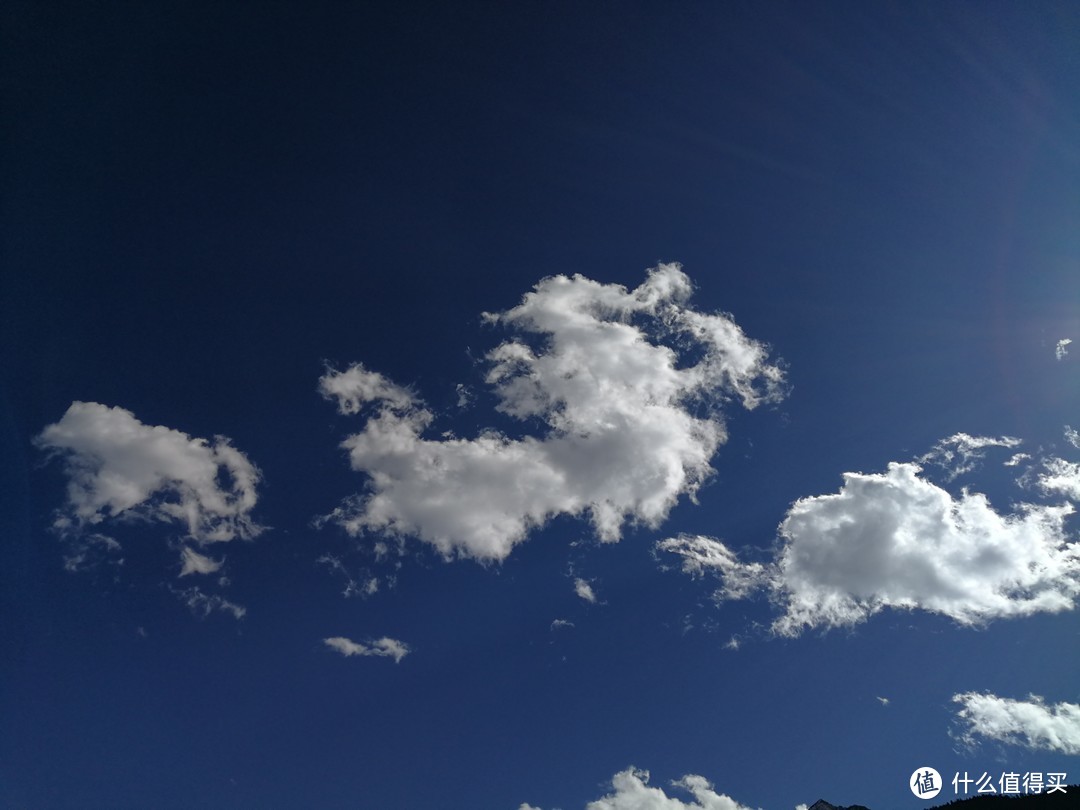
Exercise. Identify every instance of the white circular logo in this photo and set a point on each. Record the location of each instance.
(925, 782)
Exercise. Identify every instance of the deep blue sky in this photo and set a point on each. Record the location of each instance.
(204, 204)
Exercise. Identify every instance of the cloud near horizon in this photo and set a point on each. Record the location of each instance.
(121, 469)
(628, 386)
(895, 540)
(1029, 723)
(631, 791)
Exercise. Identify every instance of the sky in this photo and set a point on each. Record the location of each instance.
(617, 406)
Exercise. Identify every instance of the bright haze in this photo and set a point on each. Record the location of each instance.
(537, 405)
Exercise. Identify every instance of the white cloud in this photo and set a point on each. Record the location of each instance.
(1015, 459)
(631, 791)
(961, 452)
(1072, 436)
(895, 540)
(202, 604)
(1030, 723)
(559, 623)
(196, 563)
(383, 647)
(706, 554)
(1061, 477)
(119, 468)
(1061, 349)
(583, 589)
(884, 701)
(625, 386)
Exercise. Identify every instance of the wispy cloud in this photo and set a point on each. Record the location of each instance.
(383, 647)
(1061, 350)
(120, 468)
(630, 790)
(628, 385)
(1060, 477)
(702, 555)
(203, 604)
(961, 453)
(195, 563)
(1029, 723)
(365, 586)
(85, 552)
(895, 540)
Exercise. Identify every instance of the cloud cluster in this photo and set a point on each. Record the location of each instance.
(626, 387)
(1030, 723)
(383, 647)
(121, 469)
(1061, 350)
(631, 791)
(895, 540)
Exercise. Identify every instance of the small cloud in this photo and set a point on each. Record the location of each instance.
(87, 552)
(884, 701)
(1072, 437)
(1060, 476)
(630, 790)
(560, 623)
(465, 396)
(202, 605)
(364, 586)
(1015, 459)
(196, 563)
(583, 589)
(1028, 723)
(961, 452)
(1061, 349)
(383, 647)
(706, 554)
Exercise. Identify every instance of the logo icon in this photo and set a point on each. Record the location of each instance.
(925, 783)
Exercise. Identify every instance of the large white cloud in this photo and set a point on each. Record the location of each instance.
(117, 468)
(1030, 723)
(630, 790)
(895, 540)
(626, 387)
